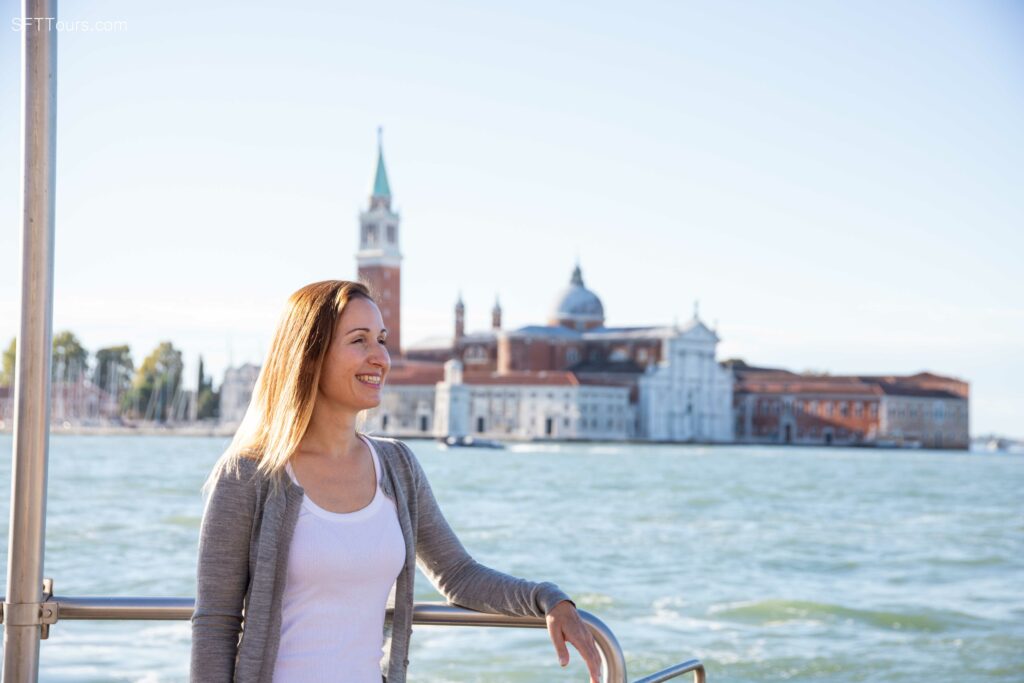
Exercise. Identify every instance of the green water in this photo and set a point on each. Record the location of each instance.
(770, 564)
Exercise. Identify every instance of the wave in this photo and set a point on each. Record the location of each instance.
(775, 612)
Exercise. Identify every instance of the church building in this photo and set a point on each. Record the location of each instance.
(572, 377)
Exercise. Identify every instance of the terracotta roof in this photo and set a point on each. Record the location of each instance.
(919, 392)
(412, 373)
(795, 385)
(774, 382)
(751, 373)
(524, 378)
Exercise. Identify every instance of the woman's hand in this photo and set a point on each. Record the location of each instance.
(565, 626)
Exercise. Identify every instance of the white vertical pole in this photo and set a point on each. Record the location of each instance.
(32, 374)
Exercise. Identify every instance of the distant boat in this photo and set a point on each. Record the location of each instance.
(893, 443)
(470, 442)
(998, 444)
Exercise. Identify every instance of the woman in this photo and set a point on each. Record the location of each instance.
(310, 525)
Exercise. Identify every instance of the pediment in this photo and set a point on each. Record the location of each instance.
(697, 331)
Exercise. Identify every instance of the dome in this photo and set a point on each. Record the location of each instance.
(577, 306)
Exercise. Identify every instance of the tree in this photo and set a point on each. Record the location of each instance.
(209, 403)
(7, 369)
(70, 360)
(156, 384)
(113, 371)
(208, 400)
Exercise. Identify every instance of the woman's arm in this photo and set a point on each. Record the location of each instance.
(464, 581)
(461, 579)
(222, 576)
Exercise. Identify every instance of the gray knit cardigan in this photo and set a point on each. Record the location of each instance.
(243, 558)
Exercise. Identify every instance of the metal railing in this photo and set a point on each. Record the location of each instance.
(26, 538)
(58, 608)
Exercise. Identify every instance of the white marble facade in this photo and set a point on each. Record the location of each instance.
(687, 396)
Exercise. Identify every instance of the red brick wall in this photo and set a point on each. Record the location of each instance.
(811, 417)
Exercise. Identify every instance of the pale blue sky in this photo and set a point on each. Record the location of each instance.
(837, 183)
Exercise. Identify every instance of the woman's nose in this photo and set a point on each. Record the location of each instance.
(380, 356)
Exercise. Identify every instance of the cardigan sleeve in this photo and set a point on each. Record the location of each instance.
(462, 580)
(222, 577)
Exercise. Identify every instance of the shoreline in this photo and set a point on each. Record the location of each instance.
(227, 431)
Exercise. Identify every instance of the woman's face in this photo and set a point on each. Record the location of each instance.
(357, 360)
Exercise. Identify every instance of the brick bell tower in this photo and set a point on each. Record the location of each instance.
(378, 259)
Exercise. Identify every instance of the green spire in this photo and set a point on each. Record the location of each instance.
(381, 188)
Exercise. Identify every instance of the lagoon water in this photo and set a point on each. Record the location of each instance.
(770, 564)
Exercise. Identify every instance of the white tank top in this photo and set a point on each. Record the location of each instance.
(341, 567)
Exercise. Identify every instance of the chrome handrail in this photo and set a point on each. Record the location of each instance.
(693, 665)
(57, 608)
(612, 659)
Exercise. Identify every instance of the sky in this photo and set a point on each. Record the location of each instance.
(837, 184)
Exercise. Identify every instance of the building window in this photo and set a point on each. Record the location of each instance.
(480, 425)
(844, 409)
(384, 423)
(858, 409)
(572, 356)
(874, 410)
(829, 407)
(391, 234)
(423, 423)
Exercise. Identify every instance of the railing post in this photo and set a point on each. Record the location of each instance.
(22, 609)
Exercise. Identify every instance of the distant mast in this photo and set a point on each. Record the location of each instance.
(379, 260)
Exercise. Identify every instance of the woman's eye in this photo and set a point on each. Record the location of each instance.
(383, 342)
(359, 340)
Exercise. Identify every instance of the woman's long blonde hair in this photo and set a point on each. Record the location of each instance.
(286, 389)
